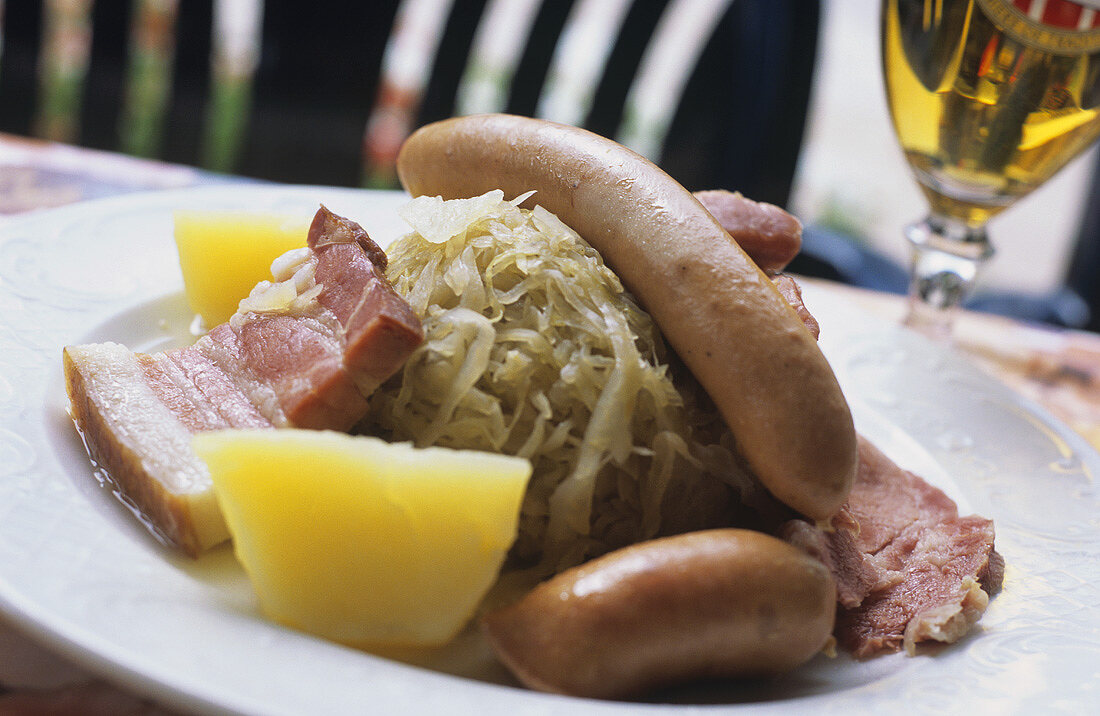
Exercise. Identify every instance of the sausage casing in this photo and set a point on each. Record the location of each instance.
(724, 603)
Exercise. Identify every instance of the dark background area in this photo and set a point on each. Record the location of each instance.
(739, 126)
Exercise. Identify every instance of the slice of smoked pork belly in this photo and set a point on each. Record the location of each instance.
(310, 364)
(908, 567)
(138, 432)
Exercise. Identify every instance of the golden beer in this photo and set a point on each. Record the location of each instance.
(989, 98)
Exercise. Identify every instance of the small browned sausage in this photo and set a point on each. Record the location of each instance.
(723, 603)
(770, 236)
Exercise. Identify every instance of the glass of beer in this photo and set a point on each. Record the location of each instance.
(989, 99)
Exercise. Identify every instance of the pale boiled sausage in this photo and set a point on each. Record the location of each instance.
(721, 314)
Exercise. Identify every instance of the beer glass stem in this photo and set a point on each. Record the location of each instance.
(947, 255)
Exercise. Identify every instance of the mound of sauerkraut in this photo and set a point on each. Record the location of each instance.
(533, 348)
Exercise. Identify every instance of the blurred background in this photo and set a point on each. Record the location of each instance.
(852, 176)
(779, 99)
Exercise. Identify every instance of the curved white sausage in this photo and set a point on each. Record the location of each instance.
(721, 314)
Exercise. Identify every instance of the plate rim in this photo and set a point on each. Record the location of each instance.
(102, 658)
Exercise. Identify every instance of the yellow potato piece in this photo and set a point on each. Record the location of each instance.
(361, 541)
(224, 254)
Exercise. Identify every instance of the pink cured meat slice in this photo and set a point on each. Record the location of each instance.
(380, 329)
(854, 576)
(767, 233)
(321, 380)
(908, 567)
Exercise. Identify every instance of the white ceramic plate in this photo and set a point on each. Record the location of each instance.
(78, 573)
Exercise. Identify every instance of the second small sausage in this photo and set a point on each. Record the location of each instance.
(727, 603)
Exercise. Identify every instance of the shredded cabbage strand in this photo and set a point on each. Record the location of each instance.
(533, 348)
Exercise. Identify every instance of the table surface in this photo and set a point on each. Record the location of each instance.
(1059, 369)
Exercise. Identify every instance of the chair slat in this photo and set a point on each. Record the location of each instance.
(498, 46)
(666, 66)
(236, 39)
(406, 66)
(63, 67)
(149, 66)
(580, 59)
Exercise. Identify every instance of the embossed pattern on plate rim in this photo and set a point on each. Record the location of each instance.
(76, 576)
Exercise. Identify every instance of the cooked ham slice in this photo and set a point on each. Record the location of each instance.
(305, 351)
(836, 549)
(908, 567)
(768, 234)
(793, 294)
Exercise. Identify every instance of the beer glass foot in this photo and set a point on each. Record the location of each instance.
(947, 256)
